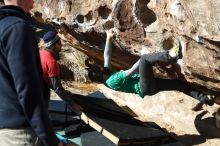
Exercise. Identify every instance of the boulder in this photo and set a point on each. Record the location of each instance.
(155, 24)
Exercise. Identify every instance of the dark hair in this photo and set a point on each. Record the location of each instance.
(95, 73)
(50, 39)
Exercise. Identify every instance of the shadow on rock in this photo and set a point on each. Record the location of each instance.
(206, 128)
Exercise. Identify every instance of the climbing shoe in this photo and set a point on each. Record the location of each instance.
(176, 51)
(209, 99)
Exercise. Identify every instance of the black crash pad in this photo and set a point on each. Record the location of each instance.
(94, 138)
(58, 106)
(61, 115)
(105, 116)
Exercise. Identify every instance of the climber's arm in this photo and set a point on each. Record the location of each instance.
(108, 49)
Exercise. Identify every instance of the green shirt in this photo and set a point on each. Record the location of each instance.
(119, 82)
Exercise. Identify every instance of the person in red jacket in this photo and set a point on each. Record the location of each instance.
(51, 69)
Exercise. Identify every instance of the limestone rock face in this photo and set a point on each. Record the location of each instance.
(153, 23)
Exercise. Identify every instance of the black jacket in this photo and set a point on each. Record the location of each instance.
(21, 93)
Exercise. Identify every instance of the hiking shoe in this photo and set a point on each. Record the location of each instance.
(176, 51)
(209, 99)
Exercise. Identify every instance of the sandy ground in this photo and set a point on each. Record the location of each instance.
(170, 110)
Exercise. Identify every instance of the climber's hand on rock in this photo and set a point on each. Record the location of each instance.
(110, 33)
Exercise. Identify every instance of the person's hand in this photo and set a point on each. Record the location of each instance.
(110, 33)
(144, 50)
(77, 108)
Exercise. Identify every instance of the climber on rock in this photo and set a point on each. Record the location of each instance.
(139, 79)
